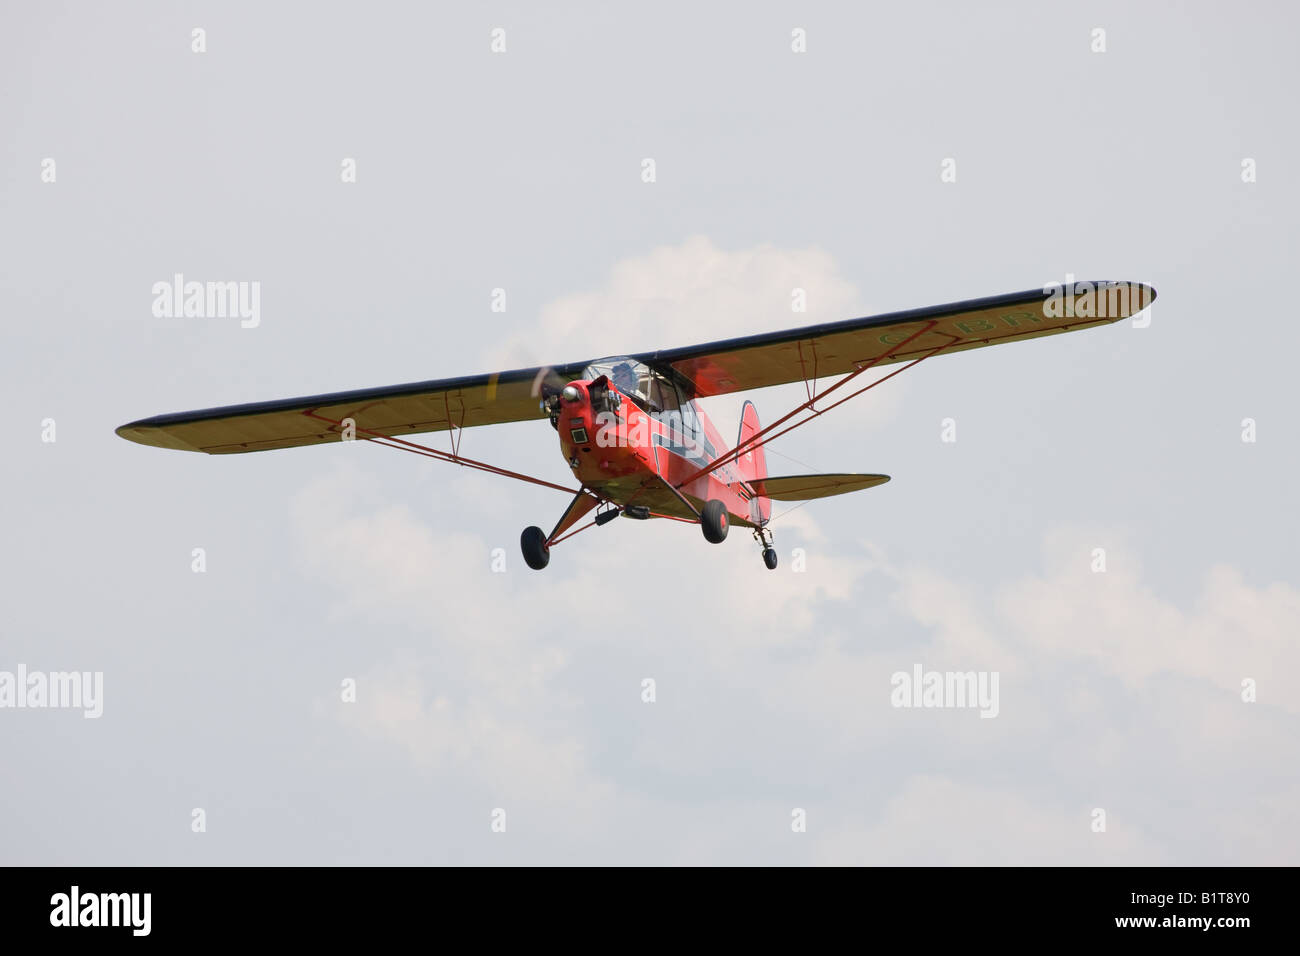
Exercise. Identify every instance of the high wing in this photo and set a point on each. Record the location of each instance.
(734, 365)
(807, 487)
(397, 410)
(836, 348)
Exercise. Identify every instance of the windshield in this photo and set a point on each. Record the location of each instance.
(632, 378)
(652, 391)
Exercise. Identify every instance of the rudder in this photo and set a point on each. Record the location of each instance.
(752, 463)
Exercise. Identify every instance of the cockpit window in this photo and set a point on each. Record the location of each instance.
(652, 391)
(634, 379)
(625, 379)
(663, 395)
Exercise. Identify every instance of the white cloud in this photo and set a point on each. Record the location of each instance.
(682, 295)
(483, 688)
(1234, 631)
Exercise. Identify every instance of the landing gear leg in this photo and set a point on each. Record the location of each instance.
(536, 543)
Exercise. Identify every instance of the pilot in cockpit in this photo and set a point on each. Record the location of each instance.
(624, 378)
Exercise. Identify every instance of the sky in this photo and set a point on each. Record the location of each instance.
(336, 655)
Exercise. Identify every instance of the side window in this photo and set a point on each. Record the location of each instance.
(680, 417)
(667, 395)
(662, 395)
(694, 438)
(689, 419)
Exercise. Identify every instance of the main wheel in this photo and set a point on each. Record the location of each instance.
(533, 544)
(769, 558)
(715, 521)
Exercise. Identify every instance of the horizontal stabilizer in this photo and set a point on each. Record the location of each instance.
(806, 487)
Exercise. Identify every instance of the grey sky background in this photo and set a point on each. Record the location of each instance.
(522, 691)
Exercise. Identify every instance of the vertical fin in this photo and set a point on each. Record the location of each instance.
(752, 464)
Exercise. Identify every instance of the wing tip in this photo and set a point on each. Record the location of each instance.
(145, 432)
(1139, 295)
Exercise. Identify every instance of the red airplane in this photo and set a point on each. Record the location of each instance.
(629, 427)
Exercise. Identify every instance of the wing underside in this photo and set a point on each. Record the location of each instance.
(734, 365)
(311, 420)
(838, 348)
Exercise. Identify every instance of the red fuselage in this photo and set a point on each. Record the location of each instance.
(625, 453)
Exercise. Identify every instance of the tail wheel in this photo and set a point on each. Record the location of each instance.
(533, 544)
(769, 558)
(715, 521)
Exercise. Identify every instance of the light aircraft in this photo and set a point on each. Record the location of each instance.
(629, 427)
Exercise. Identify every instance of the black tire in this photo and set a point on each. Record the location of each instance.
(769, 558)
(715, 521)
(533, 544)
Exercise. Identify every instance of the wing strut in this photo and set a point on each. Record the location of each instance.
(753, 441)
(401, 444)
